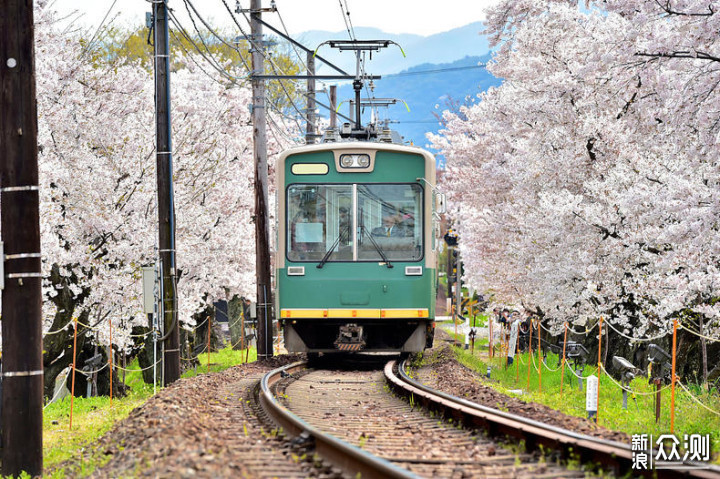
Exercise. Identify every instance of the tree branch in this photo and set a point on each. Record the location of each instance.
(668, 9)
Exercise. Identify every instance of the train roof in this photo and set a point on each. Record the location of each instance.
(355, 145)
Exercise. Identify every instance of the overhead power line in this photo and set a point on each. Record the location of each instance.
(439, 70)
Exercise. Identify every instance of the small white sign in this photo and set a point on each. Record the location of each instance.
(591, 399)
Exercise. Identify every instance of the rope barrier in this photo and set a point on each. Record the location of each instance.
(137, 370)
(87, 326)
(60, 389)
(50, 333)
(198, 325)
(699, 334)
(549, 368)
(638, 340)
(91, 372)
(696, 399)
(519, 356)
(632, 391)
(532, 356)
(573, 371)
(140, 335)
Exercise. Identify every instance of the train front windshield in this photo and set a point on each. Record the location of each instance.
(354, 222)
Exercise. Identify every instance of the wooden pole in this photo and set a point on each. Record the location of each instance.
(310, 126)
(674, 379)
(165, 194)
(703, 351)
(333, 106)
(599, 371)
(562, 374)
(22, 344)
(262, 231)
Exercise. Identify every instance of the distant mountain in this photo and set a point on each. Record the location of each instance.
(428, 89)
(439, 48)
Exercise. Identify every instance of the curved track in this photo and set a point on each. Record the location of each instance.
(613, 456)
(343, 455)
(351, 420)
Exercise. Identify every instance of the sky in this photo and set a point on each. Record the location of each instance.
(421, 17)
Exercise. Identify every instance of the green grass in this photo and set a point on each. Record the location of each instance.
(223, 359)
(690, 418)
(93, 417)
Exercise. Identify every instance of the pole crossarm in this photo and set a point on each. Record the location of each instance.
(303, 47)
(316, 77)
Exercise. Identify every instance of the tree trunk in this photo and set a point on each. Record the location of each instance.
(58, 346)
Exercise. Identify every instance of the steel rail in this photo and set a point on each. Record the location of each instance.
(341, 454)
(610, 454)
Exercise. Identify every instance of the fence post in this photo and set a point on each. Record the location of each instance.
(110, 359)
(540, 363)
(672, 390)
(491, 337)
(562, 374)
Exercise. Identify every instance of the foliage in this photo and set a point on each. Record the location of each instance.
(213, 50)
(70, 453)
(639, 418)
(92, 417)
(588, 180)
(98, 181)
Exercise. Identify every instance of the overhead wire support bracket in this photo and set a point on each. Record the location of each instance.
(303, 47)
(305, 77)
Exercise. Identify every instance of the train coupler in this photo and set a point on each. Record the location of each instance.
(350, 338)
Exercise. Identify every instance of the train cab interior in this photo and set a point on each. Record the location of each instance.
(354, 222)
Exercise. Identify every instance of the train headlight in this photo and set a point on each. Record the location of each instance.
(354, 160)
(346, 161)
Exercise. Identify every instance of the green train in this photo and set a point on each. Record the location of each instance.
(356, 251)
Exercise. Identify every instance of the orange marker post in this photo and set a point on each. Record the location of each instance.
(529, 356)
(540, 363)
(490, 339)
(600, 330)
(517, 359)
(72, 387)
(674, 379)
(110, 360)
(562, 373)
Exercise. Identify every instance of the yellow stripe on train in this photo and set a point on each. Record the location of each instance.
(354, 313)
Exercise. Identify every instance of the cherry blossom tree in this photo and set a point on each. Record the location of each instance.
(587, 184)
(98, 199)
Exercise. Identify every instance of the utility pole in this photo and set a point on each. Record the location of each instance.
(166, 203)
(310, 135)
(333, 106)
(262, 232)
(22, 366)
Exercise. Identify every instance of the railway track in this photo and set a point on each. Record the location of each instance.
(612, 456)
(351, 420)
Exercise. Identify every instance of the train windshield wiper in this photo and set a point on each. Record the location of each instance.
(329, 251)
(377, 247)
